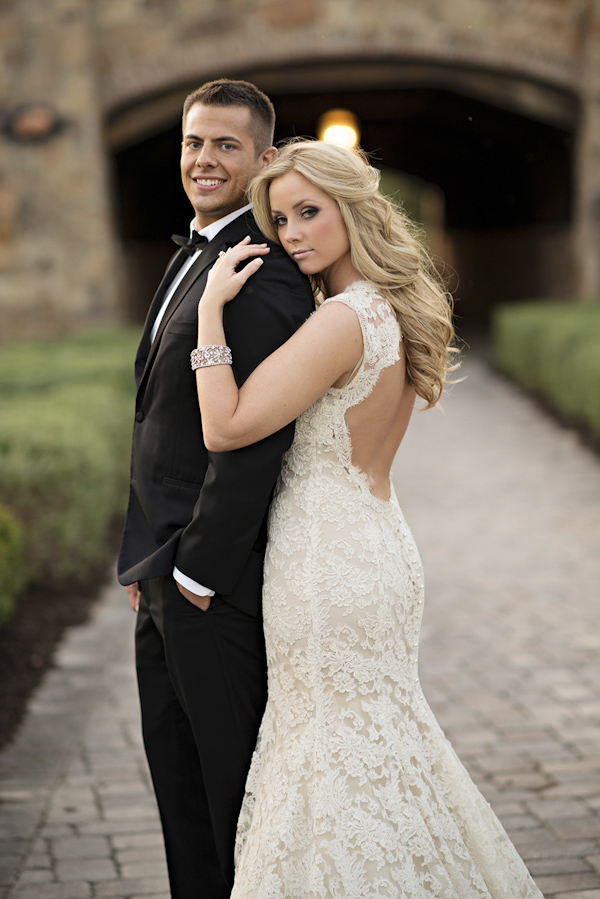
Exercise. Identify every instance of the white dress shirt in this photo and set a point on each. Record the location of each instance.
(209, 232)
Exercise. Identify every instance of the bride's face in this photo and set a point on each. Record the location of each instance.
(310, 228)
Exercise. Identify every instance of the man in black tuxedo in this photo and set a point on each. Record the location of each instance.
(195, 532)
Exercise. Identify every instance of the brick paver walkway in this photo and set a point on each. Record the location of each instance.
(505, 507)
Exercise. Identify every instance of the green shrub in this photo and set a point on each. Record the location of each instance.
(12, 572)
(553, 349)
(97, 357)
(64, 445)
(63, 470)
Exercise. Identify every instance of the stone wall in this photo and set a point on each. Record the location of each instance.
(58, 260)
(183, 40)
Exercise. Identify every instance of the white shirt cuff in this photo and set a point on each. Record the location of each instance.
(189, 584)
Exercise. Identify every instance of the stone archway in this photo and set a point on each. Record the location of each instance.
(499, 146)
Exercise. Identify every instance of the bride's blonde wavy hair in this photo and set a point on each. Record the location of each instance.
(384, 250)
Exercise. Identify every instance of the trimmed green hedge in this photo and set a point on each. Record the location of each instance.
(65, 414)
(553, 349)
(12, 570)
(104, 356)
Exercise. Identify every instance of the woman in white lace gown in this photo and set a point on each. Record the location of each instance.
(354, 791)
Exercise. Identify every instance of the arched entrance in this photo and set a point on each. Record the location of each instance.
(500, 149)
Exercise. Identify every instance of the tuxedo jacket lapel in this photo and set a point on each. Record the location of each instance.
(173, 267)
(207, 257)
(228, 237)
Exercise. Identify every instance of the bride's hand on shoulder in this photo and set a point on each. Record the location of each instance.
(224, 280)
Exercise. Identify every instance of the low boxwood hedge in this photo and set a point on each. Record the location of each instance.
(12, 569)
(102, 356)
(65, 413)
(552, 349)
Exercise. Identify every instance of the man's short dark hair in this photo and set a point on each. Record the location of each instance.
(226, 92)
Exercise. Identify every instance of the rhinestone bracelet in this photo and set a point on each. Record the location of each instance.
(210, 355)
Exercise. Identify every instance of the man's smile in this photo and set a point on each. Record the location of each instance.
(209, 182)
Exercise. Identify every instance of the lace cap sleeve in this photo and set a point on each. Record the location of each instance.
(379, 325)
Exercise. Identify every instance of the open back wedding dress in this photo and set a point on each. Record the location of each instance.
(354, 792)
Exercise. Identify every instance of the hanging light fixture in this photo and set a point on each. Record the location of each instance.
(339, 126)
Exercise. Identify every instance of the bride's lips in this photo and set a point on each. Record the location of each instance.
(301, 254)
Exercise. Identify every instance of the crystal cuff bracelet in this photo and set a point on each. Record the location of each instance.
(210, 355)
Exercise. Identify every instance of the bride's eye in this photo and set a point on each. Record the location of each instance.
(309, 212)
(279, 220)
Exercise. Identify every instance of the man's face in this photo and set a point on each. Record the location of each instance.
(218, 160)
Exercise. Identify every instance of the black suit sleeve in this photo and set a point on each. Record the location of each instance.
(229, 517)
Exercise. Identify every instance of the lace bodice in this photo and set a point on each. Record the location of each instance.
(354, 792)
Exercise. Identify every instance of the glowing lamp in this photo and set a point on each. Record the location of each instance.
(339, 126)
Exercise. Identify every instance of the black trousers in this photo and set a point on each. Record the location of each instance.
(203, 688)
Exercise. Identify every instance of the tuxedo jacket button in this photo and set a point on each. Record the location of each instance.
(139, 416)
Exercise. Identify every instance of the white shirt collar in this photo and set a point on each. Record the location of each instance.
(213, 229)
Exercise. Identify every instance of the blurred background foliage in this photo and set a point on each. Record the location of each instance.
(65, 407)
(552, 350)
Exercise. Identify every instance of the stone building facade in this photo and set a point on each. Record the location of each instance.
(495, 102)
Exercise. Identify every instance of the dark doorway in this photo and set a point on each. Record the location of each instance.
(507, 182)
(151, 205)
(494, 166)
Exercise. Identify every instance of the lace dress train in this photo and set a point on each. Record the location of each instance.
(354, 792)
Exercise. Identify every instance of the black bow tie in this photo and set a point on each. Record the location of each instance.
(190, 244)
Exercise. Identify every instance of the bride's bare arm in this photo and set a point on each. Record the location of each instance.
(324, 350)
